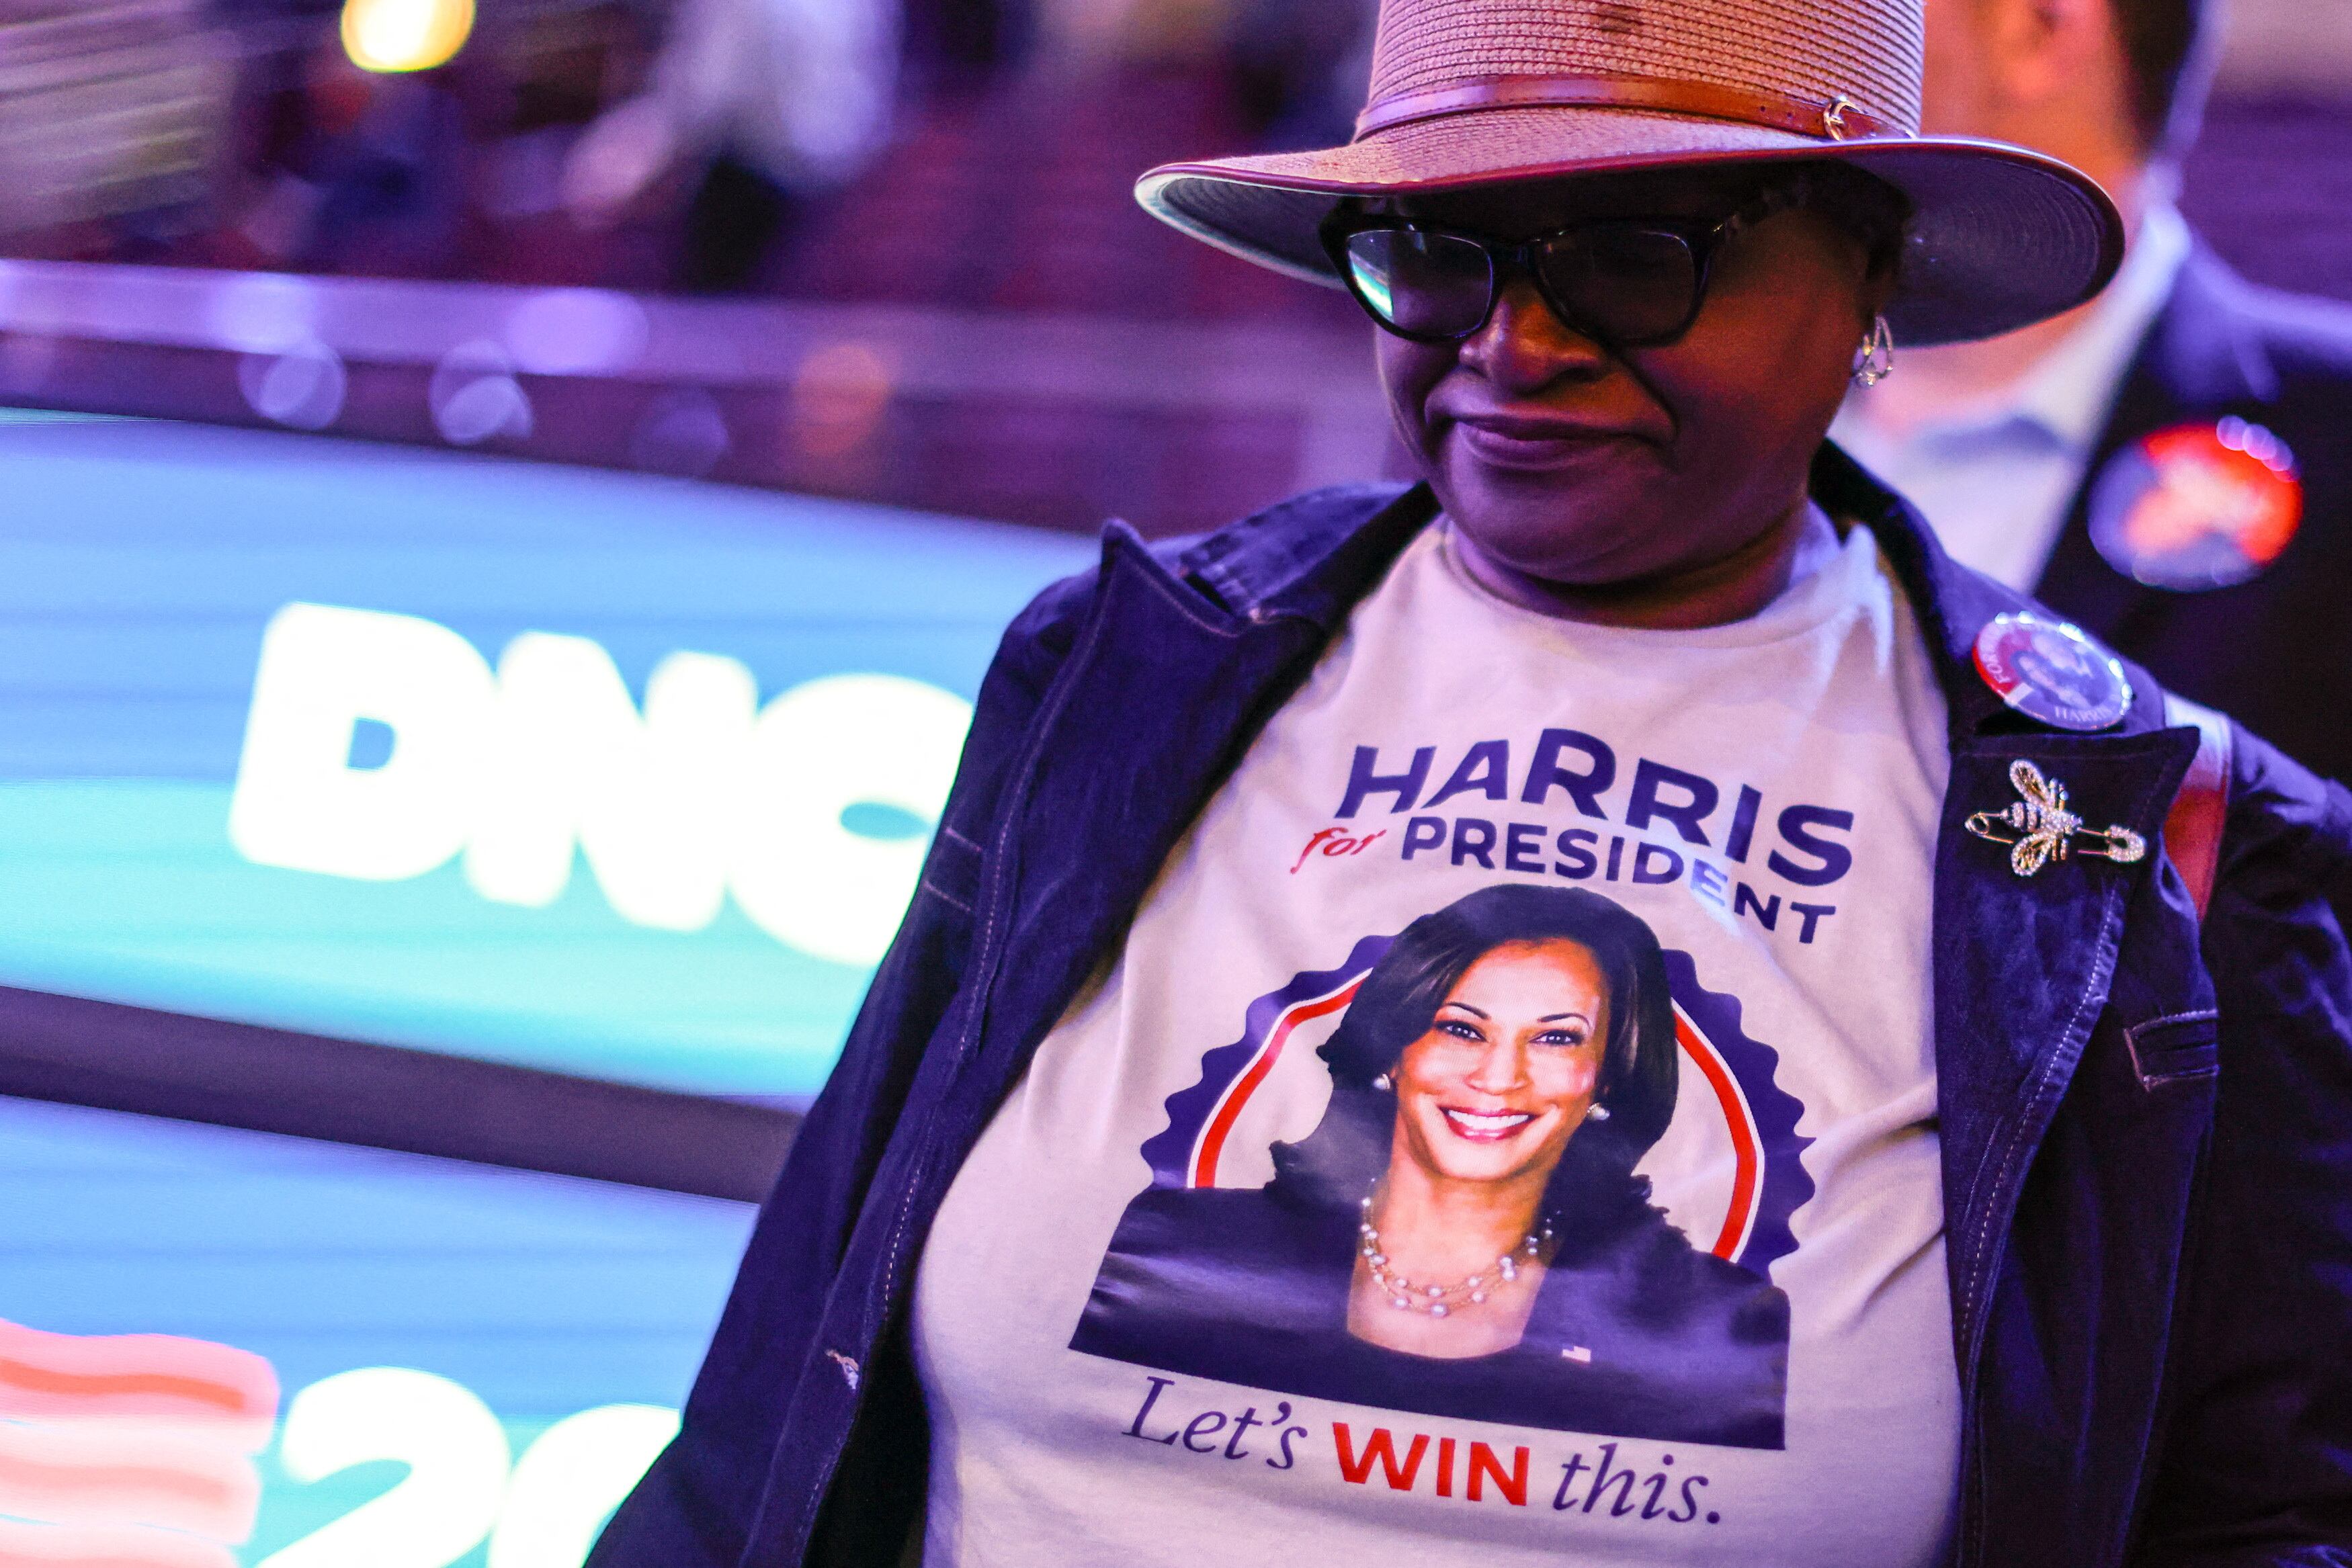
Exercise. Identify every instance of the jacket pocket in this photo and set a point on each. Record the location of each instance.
(2180, 1045)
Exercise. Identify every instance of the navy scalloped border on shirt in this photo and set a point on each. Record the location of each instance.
(1785, 1186)
(1189, 1110)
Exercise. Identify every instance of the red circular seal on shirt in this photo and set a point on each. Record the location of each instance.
(2050, 670)
(2198, 506)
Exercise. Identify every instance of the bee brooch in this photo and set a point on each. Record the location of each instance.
(2039, 827)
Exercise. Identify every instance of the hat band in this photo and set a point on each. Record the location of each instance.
(1836, 121)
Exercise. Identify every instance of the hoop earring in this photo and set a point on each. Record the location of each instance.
(1874, 361)
(1383, 1083)
(1597, 1112)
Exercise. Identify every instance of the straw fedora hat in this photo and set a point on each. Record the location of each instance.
(1467, 92)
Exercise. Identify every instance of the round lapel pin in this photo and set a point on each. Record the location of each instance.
(2048, 670)
(2198, 506)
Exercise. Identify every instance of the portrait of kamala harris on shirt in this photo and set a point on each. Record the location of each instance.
(1601, 1318)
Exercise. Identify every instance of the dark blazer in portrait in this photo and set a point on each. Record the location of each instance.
(1635, 1331)
(2274, 653)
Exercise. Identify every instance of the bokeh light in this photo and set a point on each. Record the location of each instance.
(839, 397)
(405, 35)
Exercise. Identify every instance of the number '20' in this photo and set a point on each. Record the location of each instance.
(464, 1485)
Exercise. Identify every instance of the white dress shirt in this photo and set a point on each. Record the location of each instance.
(1994, 476)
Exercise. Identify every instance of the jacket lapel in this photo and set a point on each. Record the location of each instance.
(2022, 965)
(2023, 970)
(2199, 362)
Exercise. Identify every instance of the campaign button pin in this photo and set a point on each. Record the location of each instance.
(2197, 505)
(2050, 670)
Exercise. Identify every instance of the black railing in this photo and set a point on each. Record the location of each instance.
(276, 1081)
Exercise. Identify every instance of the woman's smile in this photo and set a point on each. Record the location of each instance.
(1532, 445)
(1485, 1126)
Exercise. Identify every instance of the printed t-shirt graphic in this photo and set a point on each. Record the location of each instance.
(1147, 1318)
(1632, 1330)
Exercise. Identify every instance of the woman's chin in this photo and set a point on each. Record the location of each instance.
(1478, 1171)
(1537, 532)
(1458, 1157)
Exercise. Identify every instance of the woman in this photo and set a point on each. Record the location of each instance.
(2061, 1274)
(1463, 1234)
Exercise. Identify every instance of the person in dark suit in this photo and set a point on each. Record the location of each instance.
(2170, 466)
(1462, 1235)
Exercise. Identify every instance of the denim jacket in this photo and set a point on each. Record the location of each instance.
(2146, 1127)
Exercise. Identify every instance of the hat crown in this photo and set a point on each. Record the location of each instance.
(1869, 53)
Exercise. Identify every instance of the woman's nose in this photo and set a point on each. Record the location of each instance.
(1524, 346)
(1498, 1068)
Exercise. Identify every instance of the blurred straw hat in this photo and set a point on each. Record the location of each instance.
(1467, 92)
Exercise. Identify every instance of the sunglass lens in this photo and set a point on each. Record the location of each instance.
(1631, 284)
(1425, 285)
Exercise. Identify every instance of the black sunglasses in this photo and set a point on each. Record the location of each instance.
(1627, 283)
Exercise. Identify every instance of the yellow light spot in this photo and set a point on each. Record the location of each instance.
(405, 35)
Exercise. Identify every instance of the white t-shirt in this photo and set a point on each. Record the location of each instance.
(1149, 1319)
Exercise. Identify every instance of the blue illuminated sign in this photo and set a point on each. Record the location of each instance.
(406, 1362)
(615, 775)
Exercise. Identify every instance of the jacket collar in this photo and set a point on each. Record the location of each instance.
(1313, 557)
(1316, 555)
(2023, 966)
(2204, 351)
(1953, 603)
(2205, 356)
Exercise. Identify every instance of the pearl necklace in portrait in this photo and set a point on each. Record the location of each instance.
(1439, 1300)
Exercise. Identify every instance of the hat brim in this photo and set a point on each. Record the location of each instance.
(2000, 237)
